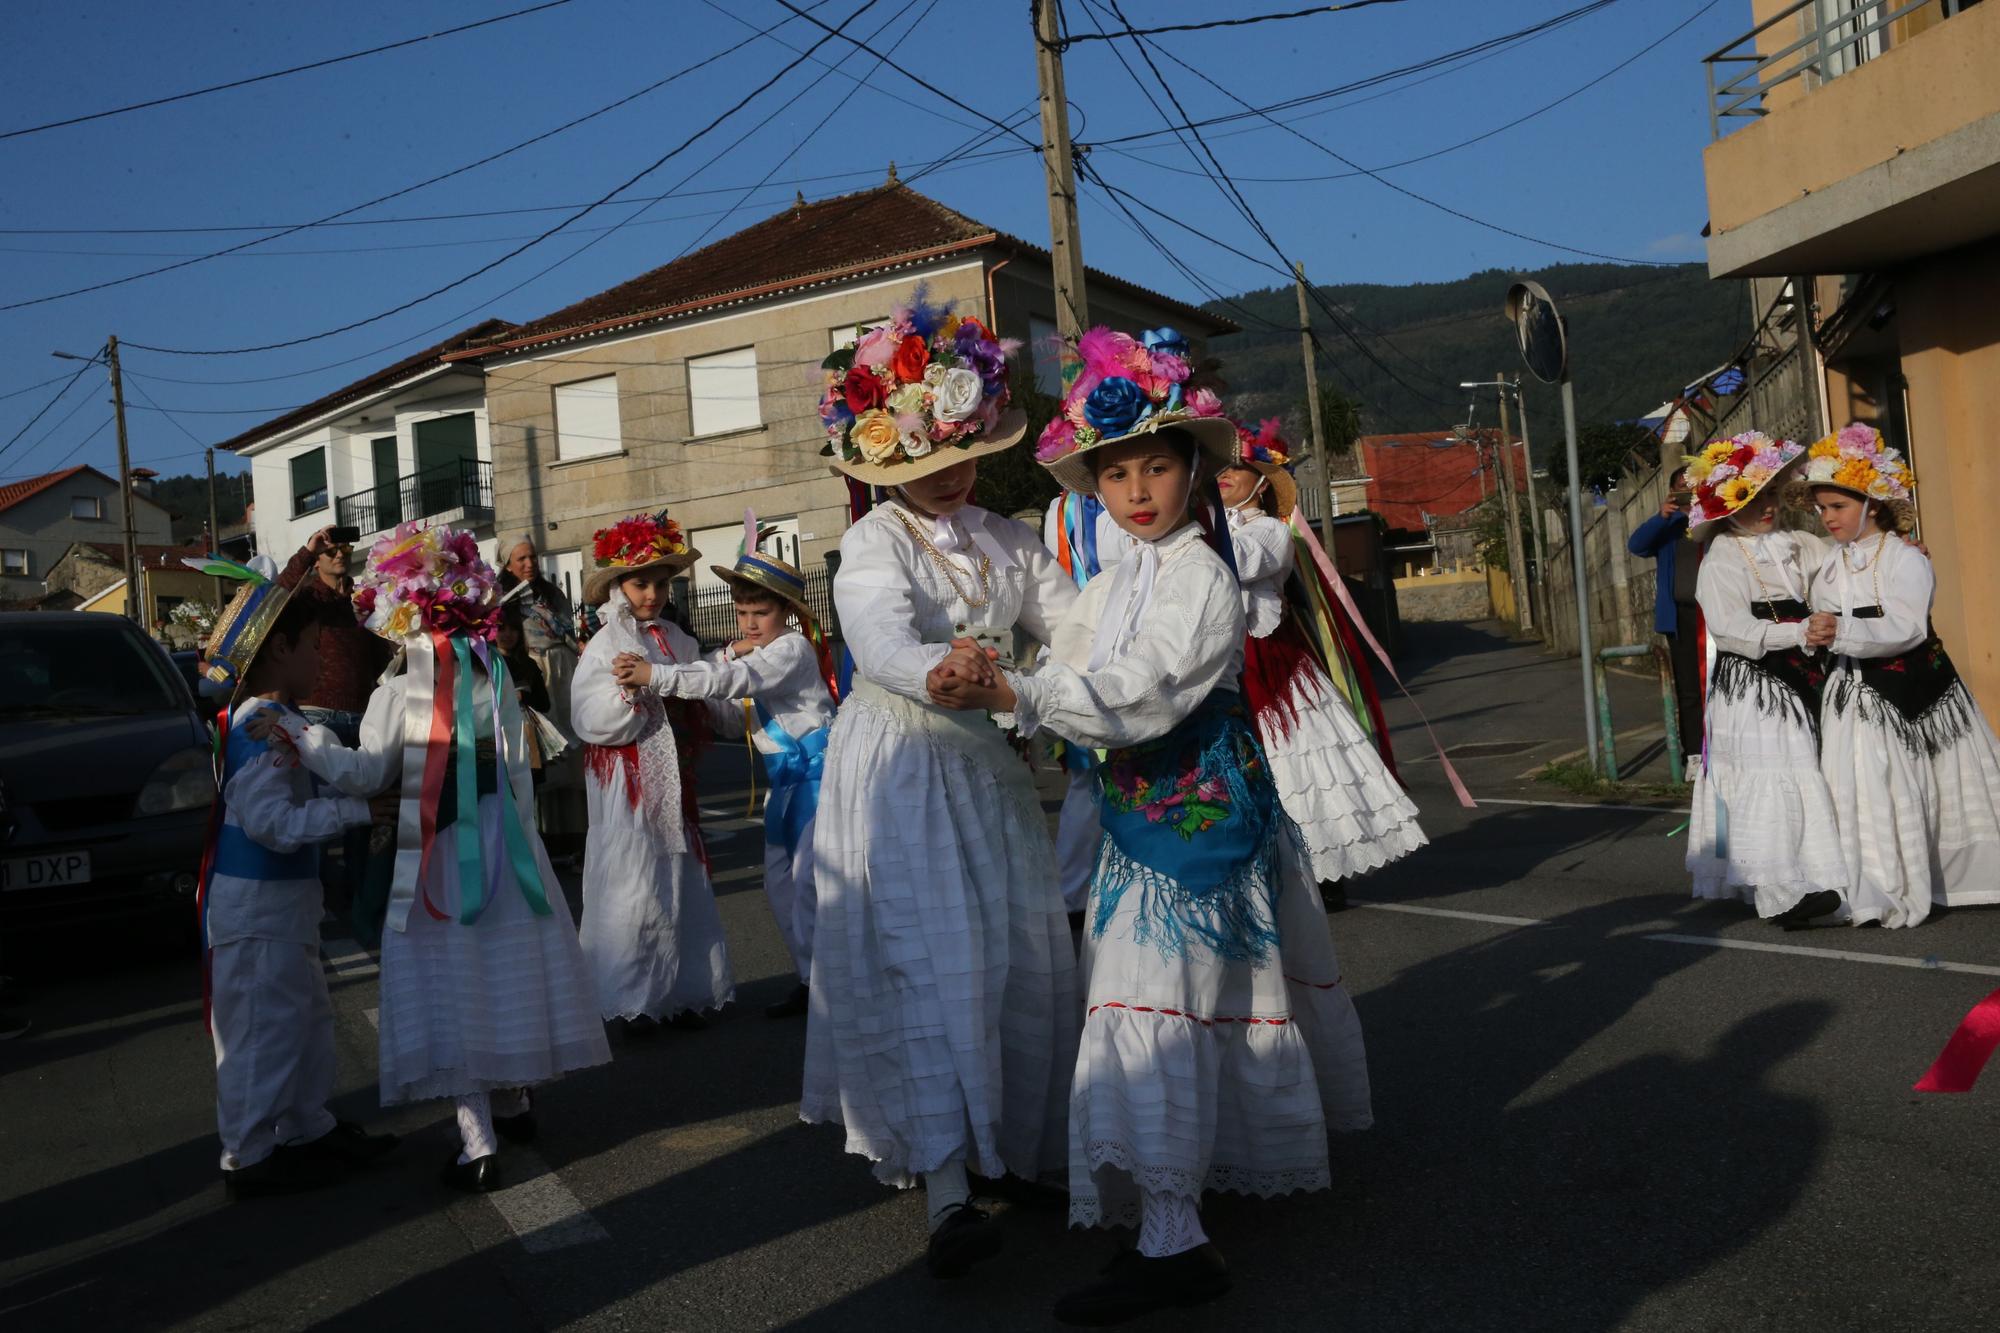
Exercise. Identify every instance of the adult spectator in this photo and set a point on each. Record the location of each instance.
(350, 660)
(1675, 562)
(548, 629)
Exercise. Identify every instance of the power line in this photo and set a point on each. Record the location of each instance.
(29, 424)
(488, 267)
(1314, 12)
(74, 449)
(281, 73)
(30, 388)
(394, 194)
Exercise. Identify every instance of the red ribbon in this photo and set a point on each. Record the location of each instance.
(435, 756)
(1957, 1066)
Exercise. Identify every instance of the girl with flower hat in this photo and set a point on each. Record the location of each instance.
(1913, 766)
(1219, 1044)
(1335, 784)
(943, 1010)
(1762, 825)
(650, 925)
(484, 990)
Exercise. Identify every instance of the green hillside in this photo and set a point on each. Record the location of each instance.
(1636, 335)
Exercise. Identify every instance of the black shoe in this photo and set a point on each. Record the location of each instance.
(1334, 894)
(1801, 913)
(349, 1143)
(13, 1025)
(1076, 923)
(285, 1171)
(518, 1128)
(1134, 1285)
(481, 1175)
(792, 1005)
(965, 1237)
(642, 1028)
(687, 1020)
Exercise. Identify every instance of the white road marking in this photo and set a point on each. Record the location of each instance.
(352, 961)
(541, 1210)
(1590, 805)
(61, 1291)
(740, 873)
(374, 1017)
(1843, 955)
(1414, 910)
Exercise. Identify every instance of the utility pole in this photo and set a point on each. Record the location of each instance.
(133, 608)
(1312, 406)
(1517, 565)
(214, 528)
(1065, 242)
(1534, 505)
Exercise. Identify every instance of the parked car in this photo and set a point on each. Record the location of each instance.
(106, 777)
(187, 661)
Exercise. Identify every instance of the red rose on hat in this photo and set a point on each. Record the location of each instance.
(912, 355)
(864, 390)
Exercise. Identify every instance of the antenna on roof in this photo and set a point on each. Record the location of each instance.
(892, 175)
(798, 198)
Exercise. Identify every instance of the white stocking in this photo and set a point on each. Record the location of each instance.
(1168, 1224)
(475, 1127)
(944, 1188)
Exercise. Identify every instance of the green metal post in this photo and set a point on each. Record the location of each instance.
(1604, 720)
(1670, 712)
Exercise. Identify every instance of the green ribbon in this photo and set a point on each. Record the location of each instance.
(471, 868)
(527, 870)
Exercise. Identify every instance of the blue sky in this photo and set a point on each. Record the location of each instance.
(1616, 169)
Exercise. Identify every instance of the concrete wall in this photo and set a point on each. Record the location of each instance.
(1444, 597)
(1620, 594)
(42, 526)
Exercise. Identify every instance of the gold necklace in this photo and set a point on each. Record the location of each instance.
(946, 568)
(1873, 566)
(1743, 549)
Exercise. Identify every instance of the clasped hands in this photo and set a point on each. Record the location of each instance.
(631, 671)
(967, 679)
(1820, 629)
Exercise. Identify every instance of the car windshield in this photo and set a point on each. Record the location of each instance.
(68, 669)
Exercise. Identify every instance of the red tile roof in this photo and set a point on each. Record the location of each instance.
(430, 357)
(890, 226)
(15, 492)
(1415, 473)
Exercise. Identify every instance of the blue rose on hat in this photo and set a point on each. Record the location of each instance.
(1115, 406)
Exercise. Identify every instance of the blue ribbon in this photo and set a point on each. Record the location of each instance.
(793, 769)
(1164, 339)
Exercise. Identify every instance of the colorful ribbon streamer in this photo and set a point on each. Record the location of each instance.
(1333, 580)
(793, 766)
(1957, 1067)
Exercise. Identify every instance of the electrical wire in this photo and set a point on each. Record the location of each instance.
(394, 194)
(1314, 12)
(281, 73)
(488, 267)
(44, 411)
(74, 450)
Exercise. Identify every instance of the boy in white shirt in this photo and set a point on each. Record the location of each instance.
(270, 1015)
(780, 670)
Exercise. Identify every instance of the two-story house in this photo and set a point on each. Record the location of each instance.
(42, 517)
(1856, 172)
(408, 441)
(696, 386)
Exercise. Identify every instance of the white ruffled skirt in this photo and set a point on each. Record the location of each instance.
(1332, 782)
(1761, 823)
(505, 1002)
(1918, 830)
(943, 1022)
(1200, 1074)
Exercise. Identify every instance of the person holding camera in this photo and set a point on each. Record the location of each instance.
(1676, 564)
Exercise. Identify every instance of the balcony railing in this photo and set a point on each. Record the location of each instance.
(462, 486)
(1832, 38)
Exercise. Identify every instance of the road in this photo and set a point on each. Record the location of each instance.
(1600, 1105)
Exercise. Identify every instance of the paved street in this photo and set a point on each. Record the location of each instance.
(1600, 1104)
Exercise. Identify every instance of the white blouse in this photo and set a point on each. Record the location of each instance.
(1264, 554)
(782, 676)
(1883, 571)
(1188, 643)
(1784, 563)
(898, 612)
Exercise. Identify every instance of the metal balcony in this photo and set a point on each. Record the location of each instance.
(1832, 38)
(460, 489)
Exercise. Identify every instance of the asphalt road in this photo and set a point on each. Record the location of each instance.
(1600, 1105)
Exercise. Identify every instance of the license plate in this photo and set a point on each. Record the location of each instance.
(50, 870)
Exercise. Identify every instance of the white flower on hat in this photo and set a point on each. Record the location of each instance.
(957, 395)
(1821, 470)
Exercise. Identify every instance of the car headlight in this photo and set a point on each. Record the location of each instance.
(184, 782)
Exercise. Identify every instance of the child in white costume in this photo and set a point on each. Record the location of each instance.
(1352, 813)
(1219, 1043)
(779, 671)
(1913, 766)
(1761, 822)
(651, 928)
(944, 1007)
(270, 1016)
(484, 990)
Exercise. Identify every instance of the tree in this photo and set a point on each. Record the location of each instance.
(1606, 451)
(1339, 418)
